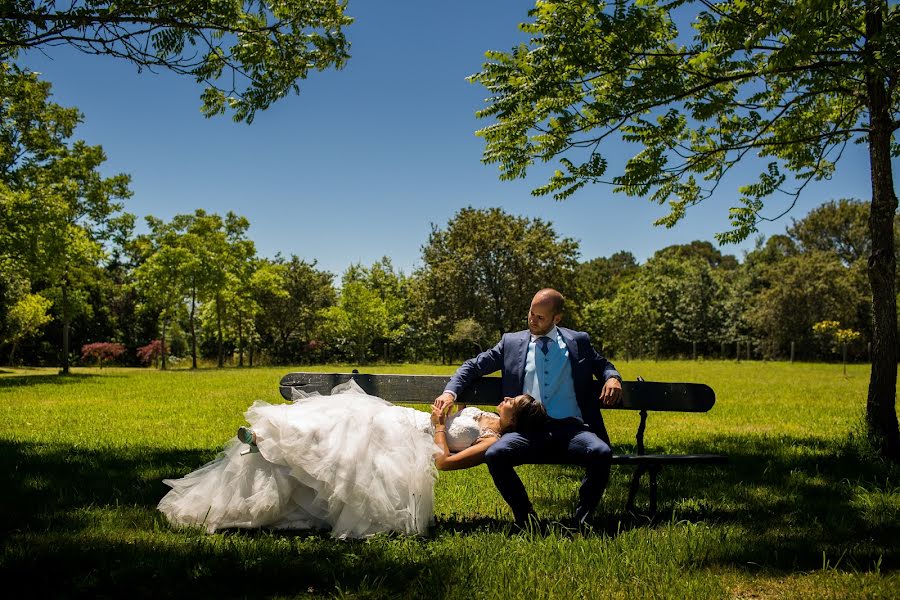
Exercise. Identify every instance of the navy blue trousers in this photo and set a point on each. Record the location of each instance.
(565, 441)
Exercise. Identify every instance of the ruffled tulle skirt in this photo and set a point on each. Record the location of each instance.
(350, 463)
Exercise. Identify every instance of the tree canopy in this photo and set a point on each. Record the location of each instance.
(247, 53)
(698, 86)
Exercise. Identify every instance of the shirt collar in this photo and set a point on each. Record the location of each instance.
(553, 334)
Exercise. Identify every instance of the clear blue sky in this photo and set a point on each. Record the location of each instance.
(363, 161)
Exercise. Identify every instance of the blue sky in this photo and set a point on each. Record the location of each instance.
(364, 160)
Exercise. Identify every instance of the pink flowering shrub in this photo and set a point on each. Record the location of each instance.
(150, 353)
(102, 351)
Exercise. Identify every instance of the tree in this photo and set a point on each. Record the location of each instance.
(25, 318)
(289, 317)
(161, 279)
(627, 323)
(468, 333)
(247, 53)
(254, 279)
(488, 264)
(840, 227)
(601, 277)
(836, 337)
(358, 319)
(687, 297)
(801, 291)
(699, 249)
(57, 209)
(792, 81)
(392, 288)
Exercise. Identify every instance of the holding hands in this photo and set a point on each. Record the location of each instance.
(441, 406)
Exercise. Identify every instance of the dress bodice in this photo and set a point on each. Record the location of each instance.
(465, 427)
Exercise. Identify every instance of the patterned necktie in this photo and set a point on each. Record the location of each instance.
(545, 341)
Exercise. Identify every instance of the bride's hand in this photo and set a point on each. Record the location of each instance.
(437, 415)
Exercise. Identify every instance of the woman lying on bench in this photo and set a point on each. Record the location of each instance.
(349, 462)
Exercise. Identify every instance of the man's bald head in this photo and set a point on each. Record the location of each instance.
(552, 298)
(545, 312)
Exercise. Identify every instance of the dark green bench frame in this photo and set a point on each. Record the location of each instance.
(638, 395)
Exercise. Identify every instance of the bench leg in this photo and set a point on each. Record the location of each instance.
(635, 485)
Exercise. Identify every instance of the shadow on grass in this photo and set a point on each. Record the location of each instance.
(87, 516)
(794, 500)
(14, 381)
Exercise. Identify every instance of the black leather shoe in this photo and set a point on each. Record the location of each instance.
(528, 522)
(582, 517)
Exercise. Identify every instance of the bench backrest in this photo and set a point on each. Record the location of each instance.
(423, 389)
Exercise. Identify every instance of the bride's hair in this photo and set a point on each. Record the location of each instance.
(529, 415)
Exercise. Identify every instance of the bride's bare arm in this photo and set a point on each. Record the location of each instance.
(470, 457)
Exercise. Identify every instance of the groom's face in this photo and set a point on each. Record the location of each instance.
(541, 317)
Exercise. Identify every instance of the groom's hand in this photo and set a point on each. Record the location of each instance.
(611, 394)
(443, 402)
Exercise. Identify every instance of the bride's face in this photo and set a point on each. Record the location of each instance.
(507, 410)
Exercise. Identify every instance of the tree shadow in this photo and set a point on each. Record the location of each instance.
(87, 516)
(794, 500)
(56, 498)
(15, 381)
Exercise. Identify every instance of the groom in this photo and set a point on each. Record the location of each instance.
(556, 366)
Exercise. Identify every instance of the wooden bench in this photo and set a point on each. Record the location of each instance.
(638, 395)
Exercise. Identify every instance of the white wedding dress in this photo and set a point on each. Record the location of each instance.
(348, 462)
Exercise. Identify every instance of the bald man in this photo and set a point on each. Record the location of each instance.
(557, 366)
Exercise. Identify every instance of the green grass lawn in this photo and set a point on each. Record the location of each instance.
(802, 510)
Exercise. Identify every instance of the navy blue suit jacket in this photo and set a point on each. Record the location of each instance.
(509, 356)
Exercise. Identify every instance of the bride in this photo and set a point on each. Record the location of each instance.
(349, 462)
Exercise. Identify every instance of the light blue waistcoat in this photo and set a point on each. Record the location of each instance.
(548, 377)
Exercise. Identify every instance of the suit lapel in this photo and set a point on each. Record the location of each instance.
(519, 355)
(573, 349)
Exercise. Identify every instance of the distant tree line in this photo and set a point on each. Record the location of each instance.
(74, 274)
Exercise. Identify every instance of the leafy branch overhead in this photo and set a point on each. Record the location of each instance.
(697, 86)
(247, 53)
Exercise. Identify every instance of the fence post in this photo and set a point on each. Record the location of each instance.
(737, 352)
(748, 349)
(694, 351)
(792, 352)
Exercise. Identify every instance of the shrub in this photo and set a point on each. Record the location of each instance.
(150, 353)
(102, 351)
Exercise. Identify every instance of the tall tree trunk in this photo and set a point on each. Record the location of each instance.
(162, 342)
(193, 330)
(221, 360)
(66, 321)
(881, 415)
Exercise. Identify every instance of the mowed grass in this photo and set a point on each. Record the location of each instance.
(802, 510)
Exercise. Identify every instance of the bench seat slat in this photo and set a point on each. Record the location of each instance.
(423, 389)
